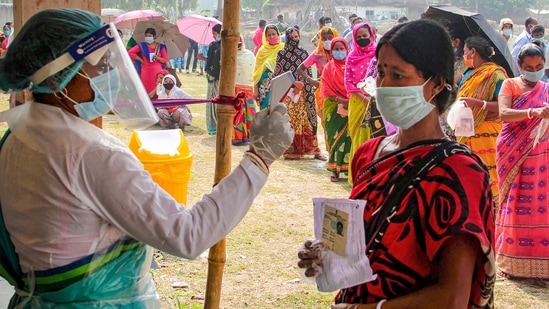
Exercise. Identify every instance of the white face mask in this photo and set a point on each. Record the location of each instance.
(533, 76)
(403, 106)
(327, 44)
(328, 24)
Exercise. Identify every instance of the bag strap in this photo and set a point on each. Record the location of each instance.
(382, 217)
(9, 261)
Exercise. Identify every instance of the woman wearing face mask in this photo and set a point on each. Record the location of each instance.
(356, 69)
(521, 224)
(335, 110)
(319, 58)
(428, 216)
(178, 116)
(506, 30)
(265, 62)
(80, 215)
(6, 34)
(302, 112)
(153, 57)
(479, 88)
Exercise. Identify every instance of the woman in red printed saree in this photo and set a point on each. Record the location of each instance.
(428, 218)
(521, 239)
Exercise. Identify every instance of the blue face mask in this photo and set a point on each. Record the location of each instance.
(218, 39)
(7, 32)
(533, 76)
(403, 106)
(149, 39)
(507, 31)
(339, 54)
(106, 87)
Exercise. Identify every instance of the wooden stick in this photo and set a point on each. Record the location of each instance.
(225, 114)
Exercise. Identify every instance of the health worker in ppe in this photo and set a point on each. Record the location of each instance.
(79, 214)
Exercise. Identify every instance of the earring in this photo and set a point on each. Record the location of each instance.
(64, 93)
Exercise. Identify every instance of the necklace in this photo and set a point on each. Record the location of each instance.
(527, 82)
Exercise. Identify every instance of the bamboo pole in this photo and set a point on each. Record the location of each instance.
(225, 114)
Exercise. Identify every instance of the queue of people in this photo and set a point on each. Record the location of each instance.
(507, 153)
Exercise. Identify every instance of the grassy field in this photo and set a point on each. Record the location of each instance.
(261, 271)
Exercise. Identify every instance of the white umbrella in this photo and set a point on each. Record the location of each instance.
(108, 14)
(166, 33)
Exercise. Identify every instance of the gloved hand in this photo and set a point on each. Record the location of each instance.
(271, 133)
(310, 257)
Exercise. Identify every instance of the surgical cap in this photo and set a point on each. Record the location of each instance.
(42, 39)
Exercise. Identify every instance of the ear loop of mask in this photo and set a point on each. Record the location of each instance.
(64, 94)
(446, 85)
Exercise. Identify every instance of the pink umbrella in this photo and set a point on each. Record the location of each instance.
(198, 28)
(131, 18)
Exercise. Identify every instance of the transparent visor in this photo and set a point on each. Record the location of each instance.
(113, 78)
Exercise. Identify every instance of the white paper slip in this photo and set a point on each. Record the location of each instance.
(339, 224)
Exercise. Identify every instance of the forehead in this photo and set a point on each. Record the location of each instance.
(532, 61)
(362, 31)
(339, 45)
(271, 31)
(389, 59)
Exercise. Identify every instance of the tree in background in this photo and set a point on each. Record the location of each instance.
(166, 7)
(495, 9)
(257, 5)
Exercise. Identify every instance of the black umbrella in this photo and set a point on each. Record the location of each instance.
(469, 24)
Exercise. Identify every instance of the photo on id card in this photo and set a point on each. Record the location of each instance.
(334, 229)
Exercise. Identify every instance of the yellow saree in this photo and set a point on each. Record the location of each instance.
(482, 84)
(358, 133)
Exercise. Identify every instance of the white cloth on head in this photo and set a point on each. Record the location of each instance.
(245, 62)
(179, 118)
(74, 189)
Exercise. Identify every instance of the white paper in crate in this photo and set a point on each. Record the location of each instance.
(339, 223)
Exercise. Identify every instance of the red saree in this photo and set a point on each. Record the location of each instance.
(522, 241)
(453, 198)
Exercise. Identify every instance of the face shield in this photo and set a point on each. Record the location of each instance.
(112, 77)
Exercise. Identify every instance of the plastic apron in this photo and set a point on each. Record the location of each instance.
(117, 277)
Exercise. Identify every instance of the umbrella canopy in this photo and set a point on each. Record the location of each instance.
(131, 18)
(167, 33)
(198, 28)
(108, 15)
(474, 24)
